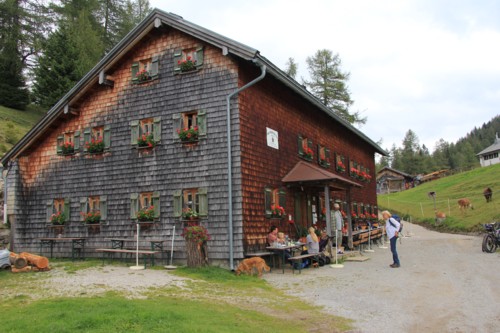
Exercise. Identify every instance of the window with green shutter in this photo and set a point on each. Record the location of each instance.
(145, 206)
(305, 148)
(268, 201)
(58, 211)
(190, 126)
(145, 133)
(191, 203)
(178, 203)
(323, 156)
(188, 60)
(145, 70)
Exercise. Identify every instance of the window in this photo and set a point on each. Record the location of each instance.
(58, 207)
(195, 199)
(144, 202)
(273, 197)
(323, 156)
(305, 146)
(145, 70)
(68, 143)
(354, 169)
(145, 132)
(340, 163)
(190, 126)
(354, 211)
(97, 139)
(188, 60)
(92, 207)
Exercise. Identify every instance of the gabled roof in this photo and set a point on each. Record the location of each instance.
(395, 171)
(493, 148)
(154, 20)
(304, 172)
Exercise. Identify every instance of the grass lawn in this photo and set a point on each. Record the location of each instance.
(416, 203)
(215, 300)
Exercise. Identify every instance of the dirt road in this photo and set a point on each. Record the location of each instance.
(445, 284)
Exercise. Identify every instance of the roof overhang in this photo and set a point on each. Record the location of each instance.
(307, 173)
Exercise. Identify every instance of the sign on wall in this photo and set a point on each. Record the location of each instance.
(272, 138)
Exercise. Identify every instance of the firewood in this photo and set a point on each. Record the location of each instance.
(21, 270)
(33, 259)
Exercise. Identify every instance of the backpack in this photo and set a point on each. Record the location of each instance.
(397, 218)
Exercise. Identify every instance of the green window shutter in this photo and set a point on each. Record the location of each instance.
(134, 70)
(297, 208)
(86, 138)
(49, 209)
(67, 206)
(107, 136)
(103, 207)
(83, 208)
(154, 67)
(199, 56)
(282, 198)
(59, 142)
(156, 204)
(177, 59)
(301, 148)
(267, 201)
(202, 122)
(177, 203)
(176, 119)
(134, 132)
(134, 205)
(203, 201)
(318, 153)
(157, 129)
(327, 157)
(76, 139)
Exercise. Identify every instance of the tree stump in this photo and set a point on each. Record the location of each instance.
(197, 254)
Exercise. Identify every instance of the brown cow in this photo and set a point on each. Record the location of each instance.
(488, 194)
(464, 203)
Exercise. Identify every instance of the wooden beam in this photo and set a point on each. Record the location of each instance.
(105, 80)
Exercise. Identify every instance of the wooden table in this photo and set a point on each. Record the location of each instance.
(283, 249)
(77, 245)
(156, 244)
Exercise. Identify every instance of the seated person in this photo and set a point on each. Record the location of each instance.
(272, 237)
(312, 241)
(281, 238)
(323, 242)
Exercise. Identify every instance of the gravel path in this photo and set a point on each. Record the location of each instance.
(445, 284)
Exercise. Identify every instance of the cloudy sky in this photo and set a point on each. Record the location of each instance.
(432, 66)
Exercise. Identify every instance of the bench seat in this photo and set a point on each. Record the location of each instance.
(146, 254)
(299, 259)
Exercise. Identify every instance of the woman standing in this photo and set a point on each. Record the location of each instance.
(392, 230)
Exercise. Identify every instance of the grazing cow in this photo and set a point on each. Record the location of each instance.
(464, 203)
(488, 194)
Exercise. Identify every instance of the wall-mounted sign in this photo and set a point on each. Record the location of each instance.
(272, 138)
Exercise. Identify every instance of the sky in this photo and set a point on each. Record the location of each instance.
(432, 66)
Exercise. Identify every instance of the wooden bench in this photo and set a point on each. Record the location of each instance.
(146, 254)
(300, 260)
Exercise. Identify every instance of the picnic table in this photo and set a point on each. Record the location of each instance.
(282, 249)
(118, 244)
(77, 245)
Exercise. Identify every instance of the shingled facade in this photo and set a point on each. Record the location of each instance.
(112, 146)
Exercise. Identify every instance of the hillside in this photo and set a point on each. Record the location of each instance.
(420, 207)
(14, 124)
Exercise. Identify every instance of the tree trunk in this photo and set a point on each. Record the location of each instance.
(197, 254)
(38, 261)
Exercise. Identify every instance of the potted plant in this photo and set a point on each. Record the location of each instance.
(277, 211)
(146, 140)
(95, 146)
(146, 214)
(340, 166)
(143, 75)
(92, 217)
(187, 64)
(188, 134)
(308, 153)
(58, 218)
(189, 214)
(68, 148)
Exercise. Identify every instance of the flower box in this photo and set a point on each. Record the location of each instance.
(91, 218)
(95, 146)
(58, 219)
(187, 65)
(146, 141)
(189, 214)
(188, 134)
(143, 76)
(146, 214)
(277, 212)
(68, 148)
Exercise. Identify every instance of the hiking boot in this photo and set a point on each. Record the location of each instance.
(394, 265)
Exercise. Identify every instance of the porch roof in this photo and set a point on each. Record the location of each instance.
(304, 172)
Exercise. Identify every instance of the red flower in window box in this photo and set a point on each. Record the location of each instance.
(95, 146)
(340, 166)
(308, 153)
(187, 64)
(277, 211)
(188, 134)
(143, 75)
(58, 218)
(92, 217)
(68, 148)
(146, 140)
(146, 214)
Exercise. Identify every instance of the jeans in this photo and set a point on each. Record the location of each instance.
(393, 241)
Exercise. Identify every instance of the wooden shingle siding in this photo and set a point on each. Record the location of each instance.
(122, 171)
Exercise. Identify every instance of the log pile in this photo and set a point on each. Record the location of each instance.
(27, 262)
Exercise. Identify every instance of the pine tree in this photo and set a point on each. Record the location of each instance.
(291, 67)
(329, 84)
